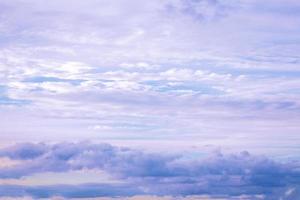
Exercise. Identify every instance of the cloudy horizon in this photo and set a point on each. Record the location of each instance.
(160, 99)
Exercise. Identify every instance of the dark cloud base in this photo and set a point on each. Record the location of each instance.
(68, 191)
(150, 174)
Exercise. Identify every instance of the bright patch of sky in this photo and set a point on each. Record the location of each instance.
(166, 68)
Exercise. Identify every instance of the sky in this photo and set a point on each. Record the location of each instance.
(150, 100)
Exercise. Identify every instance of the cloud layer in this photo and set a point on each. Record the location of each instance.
(189, 72)
(149, 173)
(201, 67)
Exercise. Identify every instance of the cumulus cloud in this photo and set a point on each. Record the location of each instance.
(149, 173)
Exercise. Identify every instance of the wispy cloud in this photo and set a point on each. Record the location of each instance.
(160, 75)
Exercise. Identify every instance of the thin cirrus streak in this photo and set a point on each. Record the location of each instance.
(175, 99)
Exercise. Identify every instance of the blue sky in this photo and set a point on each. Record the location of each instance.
(183, 85)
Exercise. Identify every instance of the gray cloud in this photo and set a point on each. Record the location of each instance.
(202, 9)
(149, 173)
(69, 191)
